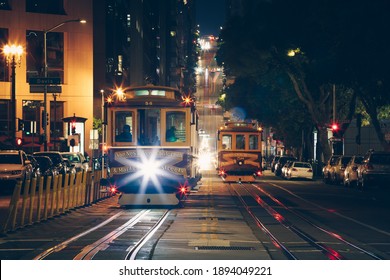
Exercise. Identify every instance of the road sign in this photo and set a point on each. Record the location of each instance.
(41, 89)
(44, 81)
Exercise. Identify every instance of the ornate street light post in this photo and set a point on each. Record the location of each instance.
(44, 124)
(13, 55)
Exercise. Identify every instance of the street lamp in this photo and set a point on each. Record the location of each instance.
(13, 55)
(44, 124)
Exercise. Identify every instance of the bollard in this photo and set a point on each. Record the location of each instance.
(47, 197)
(54, 202)
(40, 197)
(32, 200)
(26, 191)
(13, 206)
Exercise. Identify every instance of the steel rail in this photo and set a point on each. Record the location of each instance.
(274, 240)
(326, 250)
(332, 234)
(133, 251)
(64, 244)
(88, 252)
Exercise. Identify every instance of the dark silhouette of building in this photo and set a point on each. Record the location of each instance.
(142, 42)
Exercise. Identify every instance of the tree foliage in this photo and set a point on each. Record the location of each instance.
(298, 50)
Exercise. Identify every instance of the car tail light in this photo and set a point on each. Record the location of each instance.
(369, 166)
(310, 170)
(294, 169)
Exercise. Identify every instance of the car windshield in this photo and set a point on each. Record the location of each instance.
(55, 158)
(285, 159)
(302, 165)
(10, 159)
(44, 163)
(72, 157)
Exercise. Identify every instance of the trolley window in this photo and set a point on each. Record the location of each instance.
(227, 142)
(123, 130)
(253, 142)
(175, 126)
(148, 125)
(240, 142)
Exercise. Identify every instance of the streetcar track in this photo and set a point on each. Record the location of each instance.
(274, 240)
(88, 252)
(135, 249)
(332, 234)
(327, 210)
(325, 248)
(64, 244)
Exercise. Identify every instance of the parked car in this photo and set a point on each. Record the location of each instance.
(337, 170)
(326, 170)
(77, 160)
(59, 162)
(299, 169)
(14, 165)
(374, 169)
(350, 172)
(285, 168)
(281, 162)
(47, 166)
(35, 165)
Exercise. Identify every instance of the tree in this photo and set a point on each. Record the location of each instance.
(299, 47)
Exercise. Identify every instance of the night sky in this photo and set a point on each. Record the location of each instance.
(210, 15)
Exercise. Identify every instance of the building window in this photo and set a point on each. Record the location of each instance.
(4, 74)
(45, 7)
(4, 5)
(35, 54)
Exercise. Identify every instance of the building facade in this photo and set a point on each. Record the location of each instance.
(69, 54)
(123, 43)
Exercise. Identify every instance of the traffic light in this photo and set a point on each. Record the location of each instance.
(20, 124)
(19, 142)
(336, 130)
(73, 124)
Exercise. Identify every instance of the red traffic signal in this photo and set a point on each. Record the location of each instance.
(19, 142)
(73, 124)
(335, 127)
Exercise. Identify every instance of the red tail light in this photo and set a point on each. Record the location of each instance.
(259, 173)
(310, 170)
(113, 189)
(369, 166)
(294, 169)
